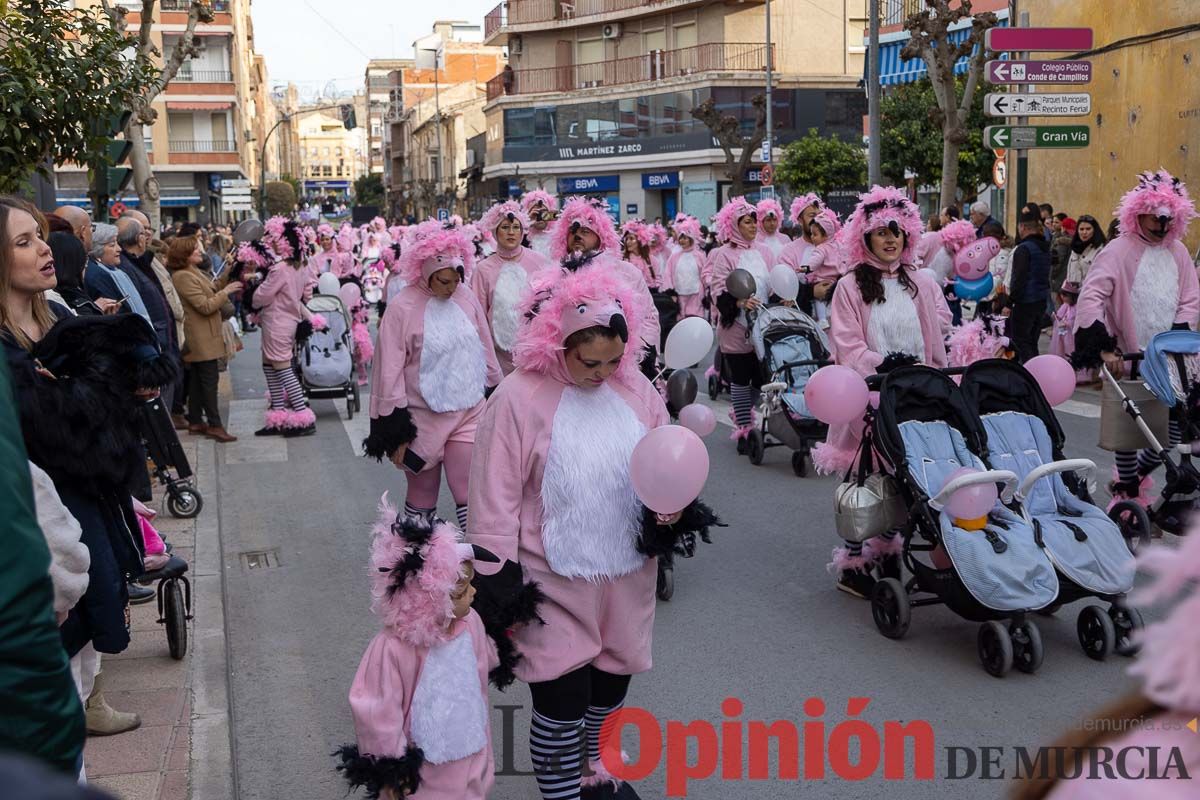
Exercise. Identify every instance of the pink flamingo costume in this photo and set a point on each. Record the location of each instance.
(551, 496)
(433, 362)
(501, 278)
(794, 253)
(772, 244)
(825, 261)
(541, 241)
(686, 269)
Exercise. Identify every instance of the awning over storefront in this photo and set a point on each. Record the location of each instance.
(893, 70)
(198, 105)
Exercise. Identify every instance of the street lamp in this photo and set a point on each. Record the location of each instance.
(430, 53)
(262, 165)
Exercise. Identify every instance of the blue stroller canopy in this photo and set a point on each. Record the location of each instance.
(1156, 366)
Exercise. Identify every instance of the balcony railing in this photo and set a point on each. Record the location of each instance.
(524, 12)
(895, 12)
(205, 76)
(494, 21)
(654, 66)
(186, 5)
(203, 146)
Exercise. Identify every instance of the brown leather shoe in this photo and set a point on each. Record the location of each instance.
(179, 421)
(197, 429)
(220, 434)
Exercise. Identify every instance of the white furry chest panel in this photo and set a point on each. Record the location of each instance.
(773, 244)
(591, 517)
(1155, 295)
(687, 275)
(453, 367)
(894, 326)
(449, 718)
(506, 296)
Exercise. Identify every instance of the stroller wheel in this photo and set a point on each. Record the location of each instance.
(714, 387)
(175, 618)
(1097, 635)
(666, 582)
(890, 608)
(184, 502)
(995, 648)
(755, 447)
(1134, 523)
(1027, 646)
(800, 463)
(1126, 622)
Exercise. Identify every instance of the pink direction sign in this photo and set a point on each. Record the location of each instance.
(1068, 39)
(1038, 71)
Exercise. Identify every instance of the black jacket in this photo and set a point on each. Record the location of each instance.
(1029, 279)
(153, 298)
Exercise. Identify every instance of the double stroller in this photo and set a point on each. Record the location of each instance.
(325, 360)
(1042, 545)
(790, 346)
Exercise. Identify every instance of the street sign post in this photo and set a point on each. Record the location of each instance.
(1002, 104)
(999, 173)
(768, 175)
(443, 215)
(1022, 137)
(1034, 39)
(1038, 71)
(765, 155)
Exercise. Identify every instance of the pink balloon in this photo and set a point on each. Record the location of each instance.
(873, 399)
(970, 502)
(668, 468)
(698, 418)
(972, 262)
(1055, 375)
(351, 295)
(836, 394)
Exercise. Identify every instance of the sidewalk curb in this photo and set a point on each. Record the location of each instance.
(212, 763)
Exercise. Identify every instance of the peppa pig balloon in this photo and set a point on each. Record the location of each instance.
(972, 262)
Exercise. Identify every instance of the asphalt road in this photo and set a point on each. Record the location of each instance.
(755, 617)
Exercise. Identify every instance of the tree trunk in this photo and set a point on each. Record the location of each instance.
(950, 148)
(144, 182)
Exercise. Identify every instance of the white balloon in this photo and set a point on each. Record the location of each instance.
(688, 343)
(328, 284)
(784, 282)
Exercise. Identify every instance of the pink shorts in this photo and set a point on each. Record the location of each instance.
(435, 431)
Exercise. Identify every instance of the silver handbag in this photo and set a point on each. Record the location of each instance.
(867, 504)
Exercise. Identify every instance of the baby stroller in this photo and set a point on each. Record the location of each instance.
(183, 499)
(326, 358)
(790, 346)
(925, 428)
(1087, 548)
(718, 377)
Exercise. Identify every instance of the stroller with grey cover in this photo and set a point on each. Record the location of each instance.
(325, 360)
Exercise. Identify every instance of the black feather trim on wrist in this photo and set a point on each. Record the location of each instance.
(680, 539)
(389, 433)
(375, 773)
(893, 360)
(1090, 342)
(154, 372)
(304, 329)
(503, 601)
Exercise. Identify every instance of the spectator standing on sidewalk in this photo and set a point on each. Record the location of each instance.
(1029, 287)
(981, 214)
(1085, 246)
(103, 278)
(1060, 250)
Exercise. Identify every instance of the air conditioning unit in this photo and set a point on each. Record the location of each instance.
(516, 46)
(611, 31)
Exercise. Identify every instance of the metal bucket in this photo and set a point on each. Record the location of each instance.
(1118, 430)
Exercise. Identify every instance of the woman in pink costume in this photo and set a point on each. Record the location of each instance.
(737, 225)
(636, 240)
(804, 209)
(1142, 283)
(885, 313)
(686, 269)
(282, 316)
(770, 218)
(542, 207)
(434, 361)
(824, 261)
(501, 278)
(551, 495)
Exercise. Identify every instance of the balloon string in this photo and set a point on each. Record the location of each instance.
(659, 375)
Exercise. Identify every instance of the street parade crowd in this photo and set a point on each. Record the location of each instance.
(537, 357)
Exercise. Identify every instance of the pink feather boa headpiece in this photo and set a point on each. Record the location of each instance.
(1169, 663)
(973, 341)
(531, 199)
(767, 208)
(592, 214)
(282, 237)
(552, 295)
(689, 226)
(876, 208)
(254, 254)
(828, 220)
(1157, 194)
(727, 218)
(803, 202)
(429, 240)
(957, 235)
(642, 232)
(345, 240)
(492, 218)
(324, 230)
(416, 605)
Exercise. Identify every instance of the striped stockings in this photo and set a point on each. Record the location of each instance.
(284, 388)
(742, 398)
(555, 748)
(1132, 465)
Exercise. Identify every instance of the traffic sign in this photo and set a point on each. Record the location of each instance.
(765, 155)
(1038, 39)
(1027, 137)
(1037, 105)
(235, 183)
(999, 173)
(117, 209)
(1039, 71)
(768, 175)
(443, 215)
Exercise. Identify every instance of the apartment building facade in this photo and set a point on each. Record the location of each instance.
(599, 98)
(331, 157)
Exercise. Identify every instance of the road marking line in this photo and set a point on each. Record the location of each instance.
(245, 417)
(1077, 408)
(356, 429)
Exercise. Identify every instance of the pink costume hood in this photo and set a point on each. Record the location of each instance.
(877, 208)
(434, 246)
(588, 213)
(727, 218)
(531, 199)
(803, 202)
(1158, 194)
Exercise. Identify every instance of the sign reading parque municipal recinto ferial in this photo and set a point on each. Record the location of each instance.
(1037, 105)
(1026, 137)
(1038, 71)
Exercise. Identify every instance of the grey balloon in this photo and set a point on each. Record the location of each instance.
(250, 230)
(681, 388)
(740, 284)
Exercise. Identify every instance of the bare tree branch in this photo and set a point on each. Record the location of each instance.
(147, 25)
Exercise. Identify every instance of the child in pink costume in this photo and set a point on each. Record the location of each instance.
(804, 209)
(823, 263)
(434, 361)
(1142, 283)
(279, 300)
(686, 269)
(501, 278)
(541, 207)
(772, 242)
(551, 495)
(885, 313)
(420, 696)
(1062, 338)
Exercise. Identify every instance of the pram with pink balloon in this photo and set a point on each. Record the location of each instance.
(325, 360)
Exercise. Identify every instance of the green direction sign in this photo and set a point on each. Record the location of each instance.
(1026, 137)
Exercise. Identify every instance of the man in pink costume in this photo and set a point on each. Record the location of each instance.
(434, 361)
(687, 267)
(804, 208)
(501, 278)
(552, 497)
(770, 218)
(541, 207)
(885, 313)
(1142, 283)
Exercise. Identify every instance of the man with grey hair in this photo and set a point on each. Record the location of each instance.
(981, 214)
(103, 278)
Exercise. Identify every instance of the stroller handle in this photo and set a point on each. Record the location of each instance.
(1007, 477)
(1085, 465)
(811, 362)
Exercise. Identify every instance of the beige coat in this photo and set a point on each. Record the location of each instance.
(202, 299)
(168, 287)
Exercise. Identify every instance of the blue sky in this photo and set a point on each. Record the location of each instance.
(302, 47)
